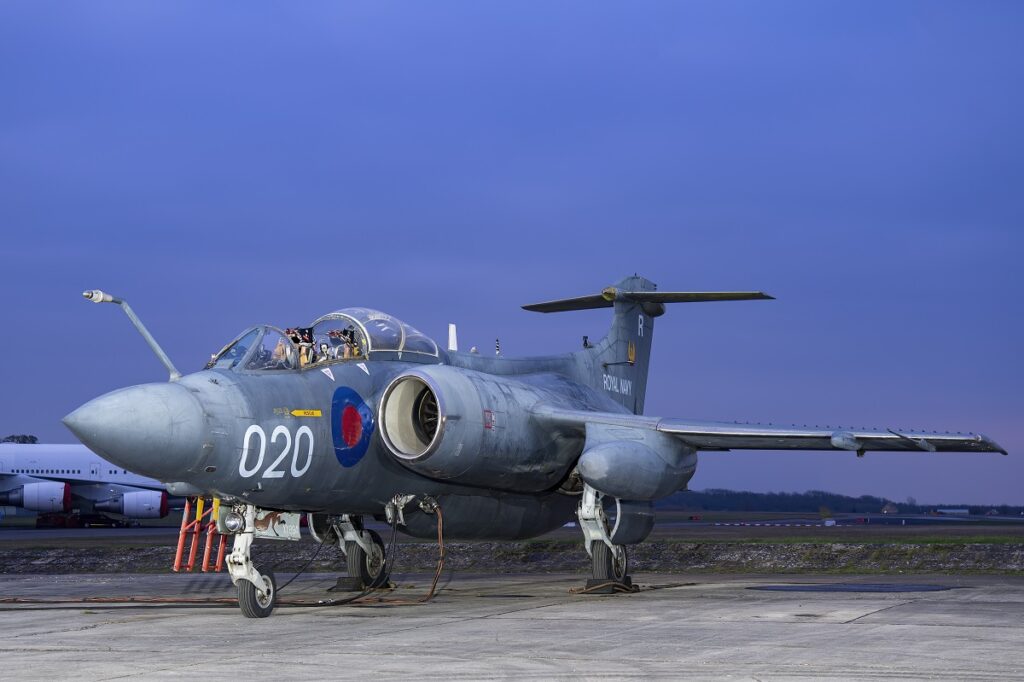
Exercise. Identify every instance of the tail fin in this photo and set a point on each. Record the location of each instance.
(619, 363)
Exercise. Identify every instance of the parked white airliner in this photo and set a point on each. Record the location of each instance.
(60, 478)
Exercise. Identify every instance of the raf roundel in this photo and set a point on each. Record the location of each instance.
(351, 426)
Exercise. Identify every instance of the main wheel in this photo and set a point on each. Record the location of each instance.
(256, 603)
(609, 565)
(368, 568)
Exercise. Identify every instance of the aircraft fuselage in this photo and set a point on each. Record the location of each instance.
(309, 440)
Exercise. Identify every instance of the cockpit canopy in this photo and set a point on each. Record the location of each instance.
(369, 332)
(347, 334)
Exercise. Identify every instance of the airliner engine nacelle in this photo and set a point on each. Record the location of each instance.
(47, 496)
(141, 504)
(468, 427)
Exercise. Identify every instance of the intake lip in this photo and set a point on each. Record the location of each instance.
(401, 415)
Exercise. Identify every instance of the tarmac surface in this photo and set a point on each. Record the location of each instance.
(165, 534)
(524, 626)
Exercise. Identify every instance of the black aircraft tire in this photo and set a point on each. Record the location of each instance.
(252, 604)
(370, 572)
(604, 563)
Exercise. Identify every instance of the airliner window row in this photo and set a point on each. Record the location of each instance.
(64, 471)
(47, 471)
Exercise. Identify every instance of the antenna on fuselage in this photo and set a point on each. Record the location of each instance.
(453, 337)
(97, 296)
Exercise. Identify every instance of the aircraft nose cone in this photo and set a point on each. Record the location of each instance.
(155, 430)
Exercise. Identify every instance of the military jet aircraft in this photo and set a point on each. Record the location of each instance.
(367, 417)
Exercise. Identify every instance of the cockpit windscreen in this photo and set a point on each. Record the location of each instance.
(260, 348)
(274, 351)
(235, 352)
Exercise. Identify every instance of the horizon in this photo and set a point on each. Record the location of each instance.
(909, 500)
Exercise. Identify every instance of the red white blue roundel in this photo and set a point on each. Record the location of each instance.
(351, 426)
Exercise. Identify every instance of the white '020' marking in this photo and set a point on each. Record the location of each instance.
(256, 432)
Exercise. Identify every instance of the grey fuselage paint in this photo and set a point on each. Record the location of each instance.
(308, 439)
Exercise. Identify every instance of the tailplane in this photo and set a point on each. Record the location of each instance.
(619, 363)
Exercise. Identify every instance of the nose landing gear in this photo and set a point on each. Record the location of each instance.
(257, 592)
(257, 589)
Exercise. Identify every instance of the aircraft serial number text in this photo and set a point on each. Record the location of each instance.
(303, 435)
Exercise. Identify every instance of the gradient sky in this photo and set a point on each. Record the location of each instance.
(224, 164)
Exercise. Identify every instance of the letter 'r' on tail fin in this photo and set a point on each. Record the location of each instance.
(618, 364)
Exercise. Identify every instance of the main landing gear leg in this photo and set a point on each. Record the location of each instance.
(257, 592)
(609, 561)
(364, 554)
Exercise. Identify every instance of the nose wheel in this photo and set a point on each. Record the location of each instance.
(257, 591)
(257, 602)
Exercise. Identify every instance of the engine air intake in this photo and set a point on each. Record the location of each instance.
(410, 417)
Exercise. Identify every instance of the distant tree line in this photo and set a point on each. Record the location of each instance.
(23, 439)
(812, 501)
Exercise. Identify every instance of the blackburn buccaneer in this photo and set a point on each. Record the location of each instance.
(360, 415)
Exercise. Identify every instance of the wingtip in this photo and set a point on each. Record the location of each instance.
(996, 447)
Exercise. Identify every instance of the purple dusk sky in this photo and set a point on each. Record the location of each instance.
(225, 164)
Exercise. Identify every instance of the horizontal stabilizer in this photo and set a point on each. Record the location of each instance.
(607, 298)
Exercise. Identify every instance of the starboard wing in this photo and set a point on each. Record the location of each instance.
(707, 435)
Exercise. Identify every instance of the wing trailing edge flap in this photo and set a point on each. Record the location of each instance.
(707, 436)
